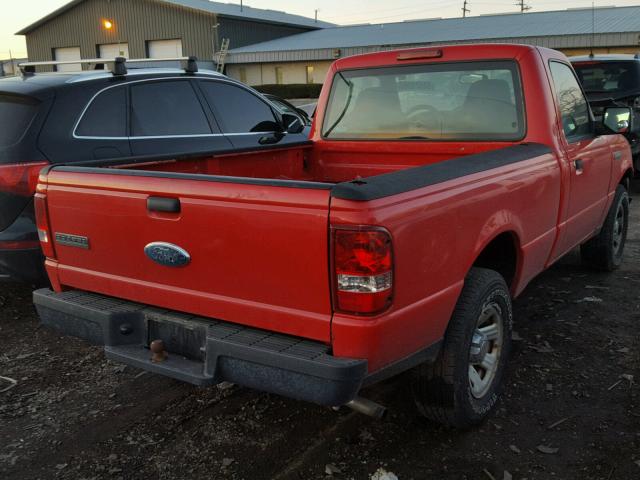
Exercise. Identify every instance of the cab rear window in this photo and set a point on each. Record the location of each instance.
(446, 101)
(16, 114)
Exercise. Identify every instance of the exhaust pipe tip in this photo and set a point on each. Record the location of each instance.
(368, 407)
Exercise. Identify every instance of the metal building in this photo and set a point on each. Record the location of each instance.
(305, 58)
(155, 29)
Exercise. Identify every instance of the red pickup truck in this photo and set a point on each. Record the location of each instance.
(437, 182)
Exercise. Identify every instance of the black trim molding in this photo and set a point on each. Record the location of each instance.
(198, 176)
(393, 183)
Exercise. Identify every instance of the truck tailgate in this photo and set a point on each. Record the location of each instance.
(258, 249)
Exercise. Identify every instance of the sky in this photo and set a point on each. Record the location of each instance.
(17, 14)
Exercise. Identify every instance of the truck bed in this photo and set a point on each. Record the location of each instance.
(320, 164)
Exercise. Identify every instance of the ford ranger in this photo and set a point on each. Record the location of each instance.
(435, 185)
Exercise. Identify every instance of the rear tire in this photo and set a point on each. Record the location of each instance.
(605, 250)
(478, 339)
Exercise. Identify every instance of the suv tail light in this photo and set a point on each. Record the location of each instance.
(363, 269)
(42, 223)
(20, 178)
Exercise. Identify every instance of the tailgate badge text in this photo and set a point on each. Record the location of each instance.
(72, 240)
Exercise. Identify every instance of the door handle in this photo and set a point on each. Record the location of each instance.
(579, 164)
(163, 204)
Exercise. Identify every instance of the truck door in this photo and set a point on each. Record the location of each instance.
(589, 159)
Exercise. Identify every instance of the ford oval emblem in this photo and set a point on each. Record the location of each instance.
(167, 254)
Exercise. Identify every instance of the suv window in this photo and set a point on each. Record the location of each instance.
(604, 77)
(106, 115)
(574, 110)
(452, 101)
(238, 110)
(16, 114)
(166, 108)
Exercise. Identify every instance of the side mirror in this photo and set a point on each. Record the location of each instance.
(292, 123)
(304, 115)
(617, 119)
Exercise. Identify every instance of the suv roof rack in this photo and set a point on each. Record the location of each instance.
(119, 64)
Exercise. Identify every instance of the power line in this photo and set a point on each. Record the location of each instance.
(432, 6)
(388, 17)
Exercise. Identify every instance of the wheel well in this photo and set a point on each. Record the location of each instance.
(501, 255)
(626, 179)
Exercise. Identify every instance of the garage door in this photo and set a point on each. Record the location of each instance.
(113, 50)
(65, 55)
(165, 48)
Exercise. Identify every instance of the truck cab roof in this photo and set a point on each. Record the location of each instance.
(438, 52)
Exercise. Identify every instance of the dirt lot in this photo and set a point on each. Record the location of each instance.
(572, 408)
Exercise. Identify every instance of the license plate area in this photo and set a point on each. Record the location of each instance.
(182, 335)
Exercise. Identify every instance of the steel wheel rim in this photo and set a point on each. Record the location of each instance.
(485, 350)
(618, 229)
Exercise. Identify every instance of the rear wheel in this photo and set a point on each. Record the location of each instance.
(462, 387)
(605, 250)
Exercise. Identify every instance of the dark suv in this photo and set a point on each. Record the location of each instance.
(97, 115)
(613, 80)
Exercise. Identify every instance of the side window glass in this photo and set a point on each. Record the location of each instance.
(106, 115)
(574, 109)
(239, 110)
(165, 109)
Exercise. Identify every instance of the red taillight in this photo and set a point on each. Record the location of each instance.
(20, 178)
(363, 269)
(42, 223)
(19, 245)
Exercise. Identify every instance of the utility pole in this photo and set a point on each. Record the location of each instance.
(317, 15)
(593, 27)
(523, 6)
(465, 10)
(241, 6)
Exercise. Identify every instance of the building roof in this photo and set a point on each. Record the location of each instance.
(515, 25)
(250, 13)
(224, 9)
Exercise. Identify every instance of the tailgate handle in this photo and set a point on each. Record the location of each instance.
(163, 204)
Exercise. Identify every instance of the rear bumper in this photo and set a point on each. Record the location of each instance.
(204, 351)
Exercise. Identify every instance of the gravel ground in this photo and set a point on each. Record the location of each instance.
(571, 411)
